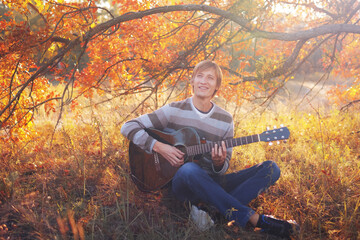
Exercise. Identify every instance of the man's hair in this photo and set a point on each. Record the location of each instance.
(206, 64)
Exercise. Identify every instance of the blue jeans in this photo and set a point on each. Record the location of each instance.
(230, 193)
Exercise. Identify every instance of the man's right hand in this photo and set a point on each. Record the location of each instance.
(170, 153)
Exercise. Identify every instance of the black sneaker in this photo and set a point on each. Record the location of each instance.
(278, 227)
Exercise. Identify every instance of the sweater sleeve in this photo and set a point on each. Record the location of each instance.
(134, 129)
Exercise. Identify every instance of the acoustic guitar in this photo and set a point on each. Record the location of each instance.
(151, 172)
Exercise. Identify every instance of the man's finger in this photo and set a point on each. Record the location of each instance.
(223, 146)
(179, 152)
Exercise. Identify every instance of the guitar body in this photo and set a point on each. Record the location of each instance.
(150, 172)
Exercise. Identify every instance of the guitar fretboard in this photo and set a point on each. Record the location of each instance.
(229, 143)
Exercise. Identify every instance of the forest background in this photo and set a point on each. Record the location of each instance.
(71, 72)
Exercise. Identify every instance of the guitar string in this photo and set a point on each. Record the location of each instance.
(206, 147)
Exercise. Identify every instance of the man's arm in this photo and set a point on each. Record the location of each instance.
(221, 155)
(134, 130)
(218, 156)
(170, 153)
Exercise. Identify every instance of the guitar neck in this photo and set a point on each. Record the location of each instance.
(229, 143)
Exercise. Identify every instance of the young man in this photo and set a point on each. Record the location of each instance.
(206, 181)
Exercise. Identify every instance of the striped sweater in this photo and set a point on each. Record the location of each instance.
(215, 125)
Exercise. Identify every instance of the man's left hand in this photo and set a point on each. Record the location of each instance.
(218, 154)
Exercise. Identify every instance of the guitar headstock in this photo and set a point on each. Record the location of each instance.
(276, 134)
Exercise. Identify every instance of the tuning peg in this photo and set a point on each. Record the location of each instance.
(285, 141)
(278, 142)
(274, 127)
(268, 128)
(270, 143)
(281, 125)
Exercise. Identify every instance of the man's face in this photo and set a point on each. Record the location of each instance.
(204, 83)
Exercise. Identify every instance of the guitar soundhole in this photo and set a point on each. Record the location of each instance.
(183, 149)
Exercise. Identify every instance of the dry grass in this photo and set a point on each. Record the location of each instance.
(77, 186)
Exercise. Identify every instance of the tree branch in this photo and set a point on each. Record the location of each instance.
(347, 106)
(248, 26)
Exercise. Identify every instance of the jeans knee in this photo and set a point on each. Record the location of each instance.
(184, 180)
(187, 170)
(273, 170)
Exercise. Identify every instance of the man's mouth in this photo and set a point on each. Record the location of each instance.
(203, 88)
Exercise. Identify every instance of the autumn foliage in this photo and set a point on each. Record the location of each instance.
(71, 72)
(134, 46)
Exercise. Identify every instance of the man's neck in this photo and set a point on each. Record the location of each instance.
(203, 105)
